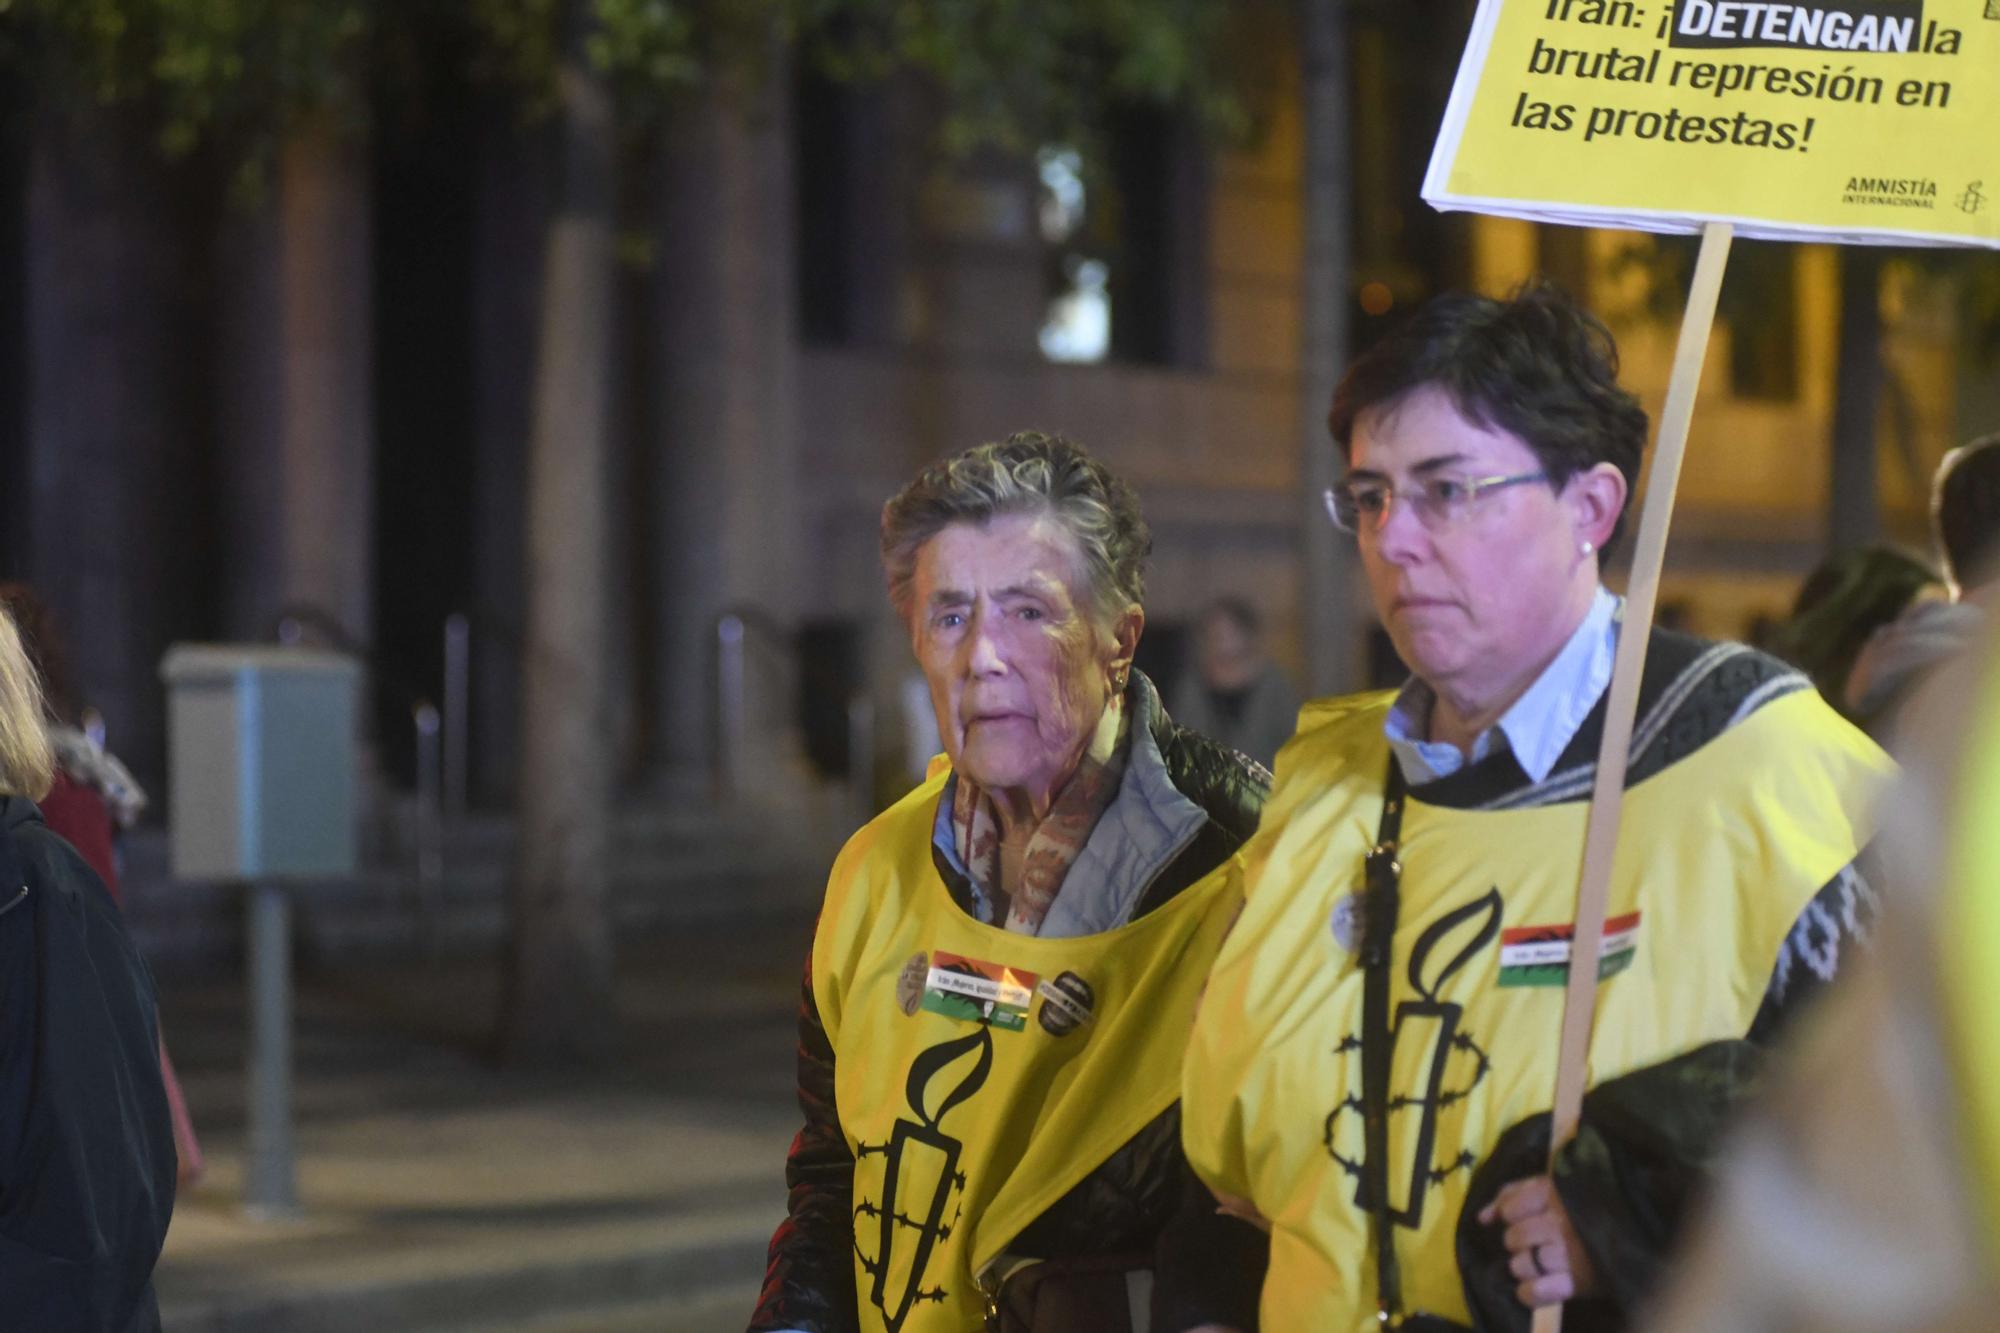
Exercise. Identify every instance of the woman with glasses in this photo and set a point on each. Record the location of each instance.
(1375, 1054)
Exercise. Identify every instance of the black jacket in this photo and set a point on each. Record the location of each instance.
(86, 1148)
(1644, 1152)
(1121, 1207)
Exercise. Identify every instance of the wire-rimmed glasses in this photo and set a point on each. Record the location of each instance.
(1438, 500)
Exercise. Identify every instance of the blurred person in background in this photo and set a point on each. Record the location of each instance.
(1965, 522)
(1862, 1194)
(92, 798)
(1842, 605)
(1377, 1046)
(87, 1163)
(1236, 694)
(1007, 960)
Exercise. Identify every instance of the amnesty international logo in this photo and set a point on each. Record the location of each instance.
(1456, 1065)
(923, 1179)
(1973, 200)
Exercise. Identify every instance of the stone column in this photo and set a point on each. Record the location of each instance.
(727, 522)
(510, 222)
(1854, 516)
(298, 419)
(108, 429)
(1336, 618)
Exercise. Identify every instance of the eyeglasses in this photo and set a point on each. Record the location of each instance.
(1437, 501)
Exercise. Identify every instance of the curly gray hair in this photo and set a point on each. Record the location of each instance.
(1026, 473)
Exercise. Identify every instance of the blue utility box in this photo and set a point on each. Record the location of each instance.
(261, 761)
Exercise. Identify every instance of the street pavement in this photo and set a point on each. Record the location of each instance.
(442, 1192)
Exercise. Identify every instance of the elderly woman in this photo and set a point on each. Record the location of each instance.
(87, 1162)
(1007, 961)
(1379, 1033)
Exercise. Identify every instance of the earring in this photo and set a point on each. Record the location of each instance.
(1586, 548)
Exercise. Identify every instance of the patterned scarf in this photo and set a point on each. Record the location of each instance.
(1057, 840)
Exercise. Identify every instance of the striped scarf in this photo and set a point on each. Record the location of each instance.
(1057, 840)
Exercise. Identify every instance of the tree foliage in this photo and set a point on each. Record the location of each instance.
(243, 70)
(1012, 75)
(1007, 74)
(245, 73)
(649, 50)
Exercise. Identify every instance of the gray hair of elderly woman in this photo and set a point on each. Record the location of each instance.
(1026, 473)
(27, 764)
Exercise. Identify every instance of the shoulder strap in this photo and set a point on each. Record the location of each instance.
(1383, 873)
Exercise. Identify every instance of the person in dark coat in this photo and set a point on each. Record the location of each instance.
(92, 799)
(86, 1145)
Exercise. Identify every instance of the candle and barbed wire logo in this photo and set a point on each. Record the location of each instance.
(1973, 200)
(921, 1180)
(1458, 1064)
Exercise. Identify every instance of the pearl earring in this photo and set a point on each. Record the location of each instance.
(1586, 548)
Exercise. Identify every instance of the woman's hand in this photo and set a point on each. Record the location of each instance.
(1543, 1250)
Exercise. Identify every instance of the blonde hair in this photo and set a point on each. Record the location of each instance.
(27, 764)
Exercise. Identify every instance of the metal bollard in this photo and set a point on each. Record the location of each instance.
(270, 1186)
(730, 690)
(430, 830)
(457, 711)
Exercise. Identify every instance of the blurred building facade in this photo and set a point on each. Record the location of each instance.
(215, 413)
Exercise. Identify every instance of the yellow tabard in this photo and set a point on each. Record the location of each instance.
(1968, 945)
(1720, 853)
(980, 1074)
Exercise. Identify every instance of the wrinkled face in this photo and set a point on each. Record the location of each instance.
(1475, 604)
(1018, 672)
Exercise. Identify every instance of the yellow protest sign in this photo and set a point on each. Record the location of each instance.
(1831, 120)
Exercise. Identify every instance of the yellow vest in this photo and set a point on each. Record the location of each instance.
(981, 1074)
(1720, 853)
(1968, 943)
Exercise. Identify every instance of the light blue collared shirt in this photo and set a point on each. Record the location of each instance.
(1542, 722)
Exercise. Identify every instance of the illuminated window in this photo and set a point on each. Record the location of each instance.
(1077, 324)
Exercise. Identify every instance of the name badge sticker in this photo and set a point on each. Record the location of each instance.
(977, 991)
(1539, 955)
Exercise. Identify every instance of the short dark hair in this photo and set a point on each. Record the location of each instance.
(1535, 365)
(1965, 511)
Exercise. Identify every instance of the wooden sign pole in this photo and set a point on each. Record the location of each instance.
(1607, 798)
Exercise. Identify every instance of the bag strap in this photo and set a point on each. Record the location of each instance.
(1383, 874)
